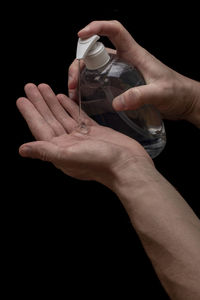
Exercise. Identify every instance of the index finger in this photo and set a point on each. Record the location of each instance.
(114, 30)
(127, 48)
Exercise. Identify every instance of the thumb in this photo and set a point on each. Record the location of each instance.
(42, 150)
(136, 97)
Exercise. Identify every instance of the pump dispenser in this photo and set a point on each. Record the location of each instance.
(85, 45)
(106, 76)
(94, 53)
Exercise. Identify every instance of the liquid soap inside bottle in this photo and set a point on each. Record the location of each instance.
(107, 76)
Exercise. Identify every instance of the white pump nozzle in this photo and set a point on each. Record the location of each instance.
(92, 52)
(85, 45)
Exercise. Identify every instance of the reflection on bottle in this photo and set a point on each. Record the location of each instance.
(105, 77)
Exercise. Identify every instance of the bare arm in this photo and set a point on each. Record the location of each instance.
(168, 228)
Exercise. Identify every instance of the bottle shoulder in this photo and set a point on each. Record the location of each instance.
(115, 68)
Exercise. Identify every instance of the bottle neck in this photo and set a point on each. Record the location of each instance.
(97, 57)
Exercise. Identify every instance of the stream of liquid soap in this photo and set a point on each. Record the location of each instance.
(81, 124)
(79, 92)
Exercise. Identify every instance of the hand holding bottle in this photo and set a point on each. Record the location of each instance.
(160, 216)
(174, 95)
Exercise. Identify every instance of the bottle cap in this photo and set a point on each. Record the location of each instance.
(92, 52)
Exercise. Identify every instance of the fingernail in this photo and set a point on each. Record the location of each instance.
(24, 150)
(118, 103)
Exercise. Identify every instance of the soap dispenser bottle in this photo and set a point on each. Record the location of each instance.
(106, 76)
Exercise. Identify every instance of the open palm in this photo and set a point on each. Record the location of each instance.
(53, 120)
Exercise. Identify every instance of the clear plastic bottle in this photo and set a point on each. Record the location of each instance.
(105, 77)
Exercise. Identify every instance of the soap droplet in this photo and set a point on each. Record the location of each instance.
(83, 128)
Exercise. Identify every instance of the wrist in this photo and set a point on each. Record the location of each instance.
(147, 195)
(133, 178)
(193, 95)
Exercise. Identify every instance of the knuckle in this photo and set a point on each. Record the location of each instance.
(43, 156)
(92, 24)
(136, 93)
(117, 23)
(118, 26)
(131, 96)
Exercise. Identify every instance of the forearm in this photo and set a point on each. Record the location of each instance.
(168, 229)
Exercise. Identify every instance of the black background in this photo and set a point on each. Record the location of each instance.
(69, 237)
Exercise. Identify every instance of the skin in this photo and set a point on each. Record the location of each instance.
(53, 120)
(167, 227)
(174, 95)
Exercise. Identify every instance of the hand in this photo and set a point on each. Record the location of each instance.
(175, 96)
(95, 155)
(160, 216)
